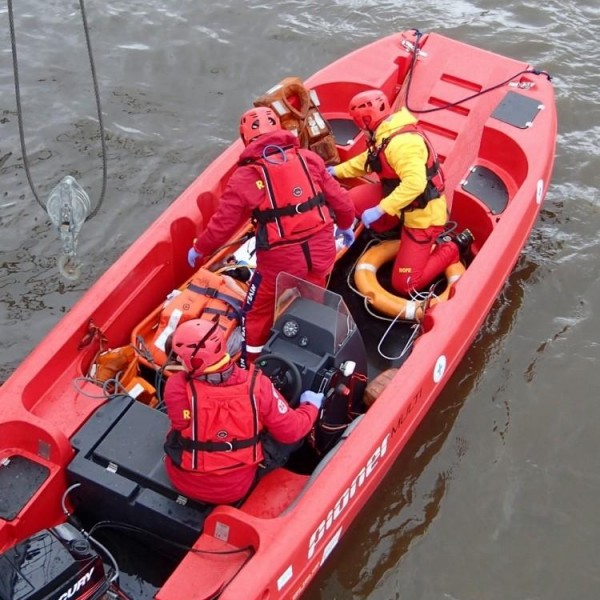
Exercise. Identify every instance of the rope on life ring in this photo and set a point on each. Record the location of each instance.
(365, 278)
(293, 88)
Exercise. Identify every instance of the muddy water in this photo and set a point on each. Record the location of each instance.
(496, 496)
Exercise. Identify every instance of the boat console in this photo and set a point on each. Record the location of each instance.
(316, 345)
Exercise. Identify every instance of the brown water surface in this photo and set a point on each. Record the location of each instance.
(496, 497)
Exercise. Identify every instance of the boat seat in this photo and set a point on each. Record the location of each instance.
(274, 493)
(20, 479)
(517, 110)
(120, 468)
(487, 187)
(280, 489)
(344, 131)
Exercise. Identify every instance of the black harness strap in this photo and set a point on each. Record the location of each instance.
(389, 185)
(272, 214)
(218, 446)
(306, 252)
(431, 192)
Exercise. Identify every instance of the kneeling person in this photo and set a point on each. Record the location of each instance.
(219, 416)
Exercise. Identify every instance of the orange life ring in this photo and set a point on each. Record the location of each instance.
(291, 101)
(365, 278)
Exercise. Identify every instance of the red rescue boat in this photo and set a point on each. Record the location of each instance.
(82, 422)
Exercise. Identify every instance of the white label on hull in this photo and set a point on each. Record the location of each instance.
(284, 578)
(222, 531)
(439, 369)
(539, 193)
(331, 545)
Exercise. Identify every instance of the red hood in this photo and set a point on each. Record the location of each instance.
(281, 138)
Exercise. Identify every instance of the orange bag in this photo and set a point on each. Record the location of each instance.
(122, 365)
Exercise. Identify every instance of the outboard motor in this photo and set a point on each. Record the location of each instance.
(57, 563)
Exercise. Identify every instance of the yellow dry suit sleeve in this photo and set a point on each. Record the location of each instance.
(355, 167)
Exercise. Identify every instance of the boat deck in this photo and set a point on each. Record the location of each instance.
(373, 328)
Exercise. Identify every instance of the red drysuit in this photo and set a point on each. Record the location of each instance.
(226, 481)
(309, 258)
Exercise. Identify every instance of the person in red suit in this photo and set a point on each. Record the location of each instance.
(228, 425)
(293, 202)
(409, 191)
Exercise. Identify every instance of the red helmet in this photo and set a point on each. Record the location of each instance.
(256, 121)
(201, 347)
(369, 108)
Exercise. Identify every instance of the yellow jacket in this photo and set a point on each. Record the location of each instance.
(407, 154)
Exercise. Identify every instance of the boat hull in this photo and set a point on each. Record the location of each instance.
(497, 151)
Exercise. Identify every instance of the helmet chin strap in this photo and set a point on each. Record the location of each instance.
(218, 365)
(370, 136)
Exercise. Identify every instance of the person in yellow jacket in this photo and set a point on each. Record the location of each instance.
(410, 191)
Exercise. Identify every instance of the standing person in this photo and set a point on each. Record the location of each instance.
(219, 415)
(293, 201)
(409, 191)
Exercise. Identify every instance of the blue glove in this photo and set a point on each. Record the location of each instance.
(371, 215)
(314, 398)
(347, 236)
(193, 256)
(331, 171)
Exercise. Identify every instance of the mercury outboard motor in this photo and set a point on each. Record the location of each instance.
(57, 563)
